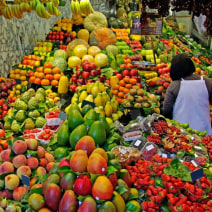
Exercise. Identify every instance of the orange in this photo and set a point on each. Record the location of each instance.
(128, 85)
(116, 87)
(41, 75)
(39, 69)
(45, 82)
(57, 76)
(122, 83)
(32, 79)
(133, 81)
(56, 70)
(37, 80)
(47, 70)
(36, 74)
(119, 100)
(121, 89)
(121, 94)
(54, 83)
(49, 77)
(48, 65)
(126, 90)
(115, 92)
(126, 79)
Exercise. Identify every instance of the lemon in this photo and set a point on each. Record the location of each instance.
(18, 92)
(18, 87)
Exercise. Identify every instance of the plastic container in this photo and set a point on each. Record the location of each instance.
(52, 121)
(131, 136)
(122, 153)
(148, 151)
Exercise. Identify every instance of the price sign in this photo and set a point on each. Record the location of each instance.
(87, 103)
(62, 116)
(195, 175)
(18, 81)
(135, 113)
(25, 180)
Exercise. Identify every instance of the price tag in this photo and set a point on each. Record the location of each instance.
(135, 113)
(164, 155)
(198, 147)
(194, 163)
(18, 81)
(137, 143)
(25, 180)
(87, 103)
(150, 147)
(62, 116)
(61, 102)
(196, 156)
(195, 175)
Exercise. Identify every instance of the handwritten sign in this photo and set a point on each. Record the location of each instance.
(87, 103)
(195, 175)
(25, 180)
(62, 116)
(135, 113)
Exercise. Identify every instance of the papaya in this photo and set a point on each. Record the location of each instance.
(54, 169)
(53, 178)
(85, 109)
(67, 181)
(118, 201)
(88, 205)
(63, 134)
(106, 125)
(97, 132)
(74, 119)
(68, 202)
(74, 106)
(125, 195)
(60, 153)
(76, 134)
(90, 117)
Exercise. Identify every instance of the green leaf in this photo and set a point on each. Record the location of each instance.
(111, 170)
(121, 189)
(42, 104)
(2, 176)
(131, 207)
(8, 134)
(179, 170)
(36, 190)
(82, 198)
(93, 177)
(62, 3)
(99, 202)
(42, 178)
(132, 196)
(32, 153)
(53, 141)
(165, 207)
(158, 182)
(46, 87)
(65, 169)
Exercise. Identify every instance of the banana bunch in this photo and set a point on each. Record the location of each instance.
(56, 2)
(52, 9)
(17, 11)
(85, 7)
(41, 11)
(7, 12)
(76, 13)
(25, 7)
(2, 4)
(33, 4)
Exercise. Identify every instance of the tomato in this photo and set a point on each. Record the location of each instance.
(2, 133)
(129, 65)
(85, 75)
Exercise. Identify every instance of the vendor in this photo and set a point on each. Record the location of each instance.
(188, 96)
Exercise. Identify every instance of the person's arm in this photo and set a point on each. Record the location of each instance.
(170, 98)
(209, 87)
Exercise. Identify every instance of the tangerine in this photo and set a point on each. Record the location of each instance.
(45, 82)
(121, 94)
(48, 65)
(57, 76)
(133, 81)
(54, 83)
(49, 77)
(47, 70)
(122, 83)
(37, 80)
(56, 70)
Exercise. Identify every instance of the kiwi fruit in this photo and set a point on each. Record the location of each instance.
(139, 99)
(135, 87)
(140, 92)
(130, 98)
(146, 104)
(145, 98)
(137, 105)
(133, 92)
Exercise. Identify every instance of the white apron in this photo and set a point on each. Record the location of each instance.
(192, 105)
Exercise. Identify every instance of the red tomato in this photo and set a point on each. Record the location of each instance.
(2, 133)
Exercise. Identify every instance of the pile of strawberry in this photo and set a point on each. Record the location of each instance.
(207, 141)
(181, 196)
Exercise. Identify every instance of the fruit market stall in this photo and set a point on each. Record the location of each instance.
(82, 127)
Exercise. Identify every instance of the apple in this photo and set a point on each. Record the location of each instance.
(133, 72)
(5, 107)
(119, 76)
(78, 73)
(74, 79)
(93, 73)
(81, 81)
(98, 71)
(73, 87)
(85, 75)
(89, 81)
(125, 72)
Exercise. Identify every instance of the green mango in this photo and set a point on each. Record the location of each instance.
(63, 134)
(107, 207)
(76, 134)
(74, 119)
(98, 133)
(106, 125)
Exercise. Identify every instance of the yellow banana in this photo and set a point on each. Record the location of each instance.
(56, 3)
(39, 9)
(50, 8)
(2, 4)
(56, 11)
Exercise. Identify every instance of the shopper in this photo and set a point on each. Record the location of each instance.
(188, 95)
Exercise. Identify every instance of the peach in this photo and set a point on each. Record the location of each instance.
(40, 171)
(37, 186)
(32, 162)
(18, 193)
(6, 167)
(5, 155)
(49, 166)
(11, 181)
(32, 143)
(19, 160)
(40, 152)
(19, 147)
(24, 170)
(49, 157)
(43, 162)
(33, 181)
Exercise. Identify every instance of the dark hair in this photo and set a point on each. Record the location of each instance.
(181, 66)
